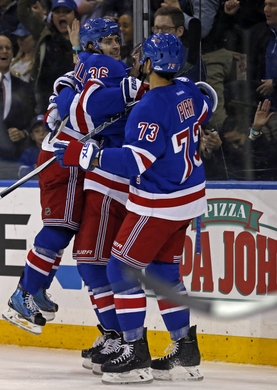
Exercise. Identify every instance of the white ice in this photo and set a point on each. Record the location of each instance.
(28, 368)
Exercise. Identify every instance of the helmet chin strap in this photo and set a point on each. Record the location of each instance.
(144, 74)
(92, 49)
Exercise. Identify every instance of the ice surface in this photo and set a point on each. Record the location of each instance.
(29, 368)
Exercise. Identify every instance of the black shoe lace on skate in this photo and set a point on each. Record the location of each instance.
(111, 345)
(30, 304)
(127, 352)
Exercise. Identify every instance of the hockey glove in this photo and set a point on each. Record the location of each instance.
(76, 154)
(130, 87)
(52, 119)
(67, 80)
(206, 89)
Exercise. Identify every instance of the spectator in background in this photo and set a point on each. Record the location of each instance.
(224, 52)
(204, 10)
(37, 133)
(23, 62)
(9, 20)
(218, 61)
(17, 107)
(241, 97)
(125, 23)
(89, 9)
(171, 20)
(42, 8)
(262, 63)
(238, 17)
(114, 8)
(54, 54)
(155, 4)
(239, 153)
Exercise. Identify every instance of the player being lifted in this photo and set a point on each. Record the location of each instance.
(62, 202)
(167, 190)
(61, 198)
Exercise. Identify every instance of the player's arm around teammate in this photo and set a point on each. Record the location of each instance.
(167, 190)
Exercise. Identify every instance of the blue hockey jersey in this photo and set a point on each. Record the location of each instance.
(98, 66)
(160, 153)
(100, 99)
(88, 109)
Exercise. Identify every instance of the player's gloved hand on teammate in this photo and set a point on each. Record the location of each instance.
(66, 80)
(52, 119)
(130, 88)
(77, 154)
(206, 89)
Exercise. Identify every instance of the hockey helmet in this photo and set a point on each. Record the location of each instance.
(165, 52)
(96, 29)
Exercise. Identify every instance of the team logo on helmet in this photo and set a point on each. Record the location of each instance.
(96, 29)
(165, 52)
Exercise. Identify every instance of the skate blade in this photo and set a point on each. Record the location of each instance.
(48, 315)
(96, 369)
(87, 363)
(178, 374)
(142, 375)
(16, 319)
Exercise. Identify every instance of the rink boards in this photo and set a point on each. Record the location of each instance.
(238, 262)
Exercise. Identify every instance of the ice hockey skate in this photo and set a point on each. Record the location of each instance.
(23, 312)
(47, 307)
(96, 347)
(111, 346)
(182, 363)
(130, 365)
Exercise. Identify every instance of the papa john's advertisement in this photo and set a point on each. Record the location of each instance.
(238, 257)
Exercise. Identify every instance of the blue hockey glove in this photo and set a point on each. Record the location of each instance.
(61, 147)
(130, 87)
(206, 89)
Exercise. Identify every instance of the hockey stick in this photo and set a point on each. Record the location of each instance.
(213, 308)
(27, 177)
(194, 42)
(109, 122)
(54, 134)
(47, 163)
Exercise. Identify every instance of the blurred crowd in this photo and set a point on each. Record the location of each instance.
(233, 49)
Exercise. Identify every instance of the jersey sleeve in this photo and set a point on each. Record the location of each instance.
(64, 101)
(80, 69)
(95, 102)
(144, 143)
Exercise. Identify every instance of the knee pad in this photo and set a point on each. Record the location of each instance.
(118, 277)
(168, 272)
(53, 239)
(93, 275)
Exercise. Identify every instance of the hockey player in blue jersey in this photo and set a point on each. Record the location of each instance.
(167, 190)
